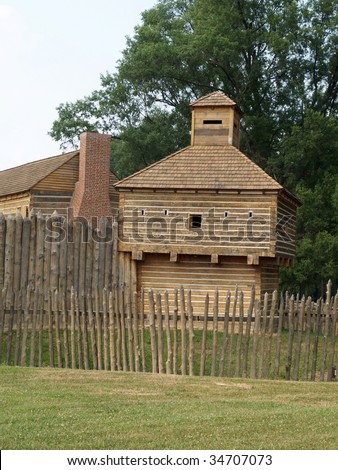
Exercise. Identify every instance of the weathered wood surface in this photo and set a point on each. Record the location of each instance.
(36, 334)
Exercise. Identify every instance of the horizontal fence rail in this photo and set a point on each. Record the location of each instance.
(289, 337)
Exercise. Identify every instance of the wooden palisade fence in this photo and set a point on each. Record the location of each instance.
(280, 338)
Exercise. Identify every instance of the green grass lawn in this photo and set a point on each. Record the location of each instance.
(72, 409)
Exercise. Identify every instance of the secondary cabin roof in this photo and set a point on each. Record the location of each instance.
(24, 177)
(202, 167)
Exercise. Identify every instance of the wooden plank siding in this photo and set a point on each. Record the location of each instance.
(61, 180)
(286, 227)
(269, 278)
(198, 274)
(227, 227)
(15, 203)
(48, 201)
(217, 133)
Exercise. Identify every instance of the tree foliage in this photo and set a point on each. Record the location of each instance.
(277, 60)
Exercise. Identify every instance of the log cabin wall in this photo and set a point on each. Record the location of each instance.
(200, 275)
(231, 224)
(286, 227)
(269, 273)
(15, 203)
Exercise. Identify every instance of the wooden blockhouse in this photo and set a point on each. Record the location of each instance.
(207, 216)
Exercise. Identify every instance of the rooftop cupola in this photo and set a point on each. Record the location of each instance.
(215, 120)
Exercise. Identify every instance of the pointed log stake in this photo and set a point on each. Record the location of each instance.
(263, 331)
(175, 336)
(204, 336)
(65, 326)
(169, 362)
(318, 322)
(33, 331)
(191, 334)
(247, 332)
(19, 315)
(79, 331)
(98, 328)
(91, 325)
(72, 329)
(57, 328)
(50, 329)
(291, 335)
(183, 332)
(257, 310)
(214, 334)
(3, 295)
(160, 334)
(307, 337)
(240, 335)
(143, 353)
(299, 339)
(270, 333)
(112, 344)
(331, 372)
(41, 325)
(84, 326)
(153, 332)
(137, 352)
(105, 331)
(225, 334)
(10, 330)
(279, 337)
(327, 311)
(232, 333)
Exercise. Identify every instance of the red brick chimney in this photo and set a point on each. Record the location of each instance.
(91, 194)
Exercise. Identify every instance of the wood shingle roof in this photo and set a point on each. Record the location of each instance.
(216, 98)
(213, 167)
(22, 178)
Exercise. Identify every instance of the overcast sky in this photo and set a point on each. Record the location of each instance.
(52, 52)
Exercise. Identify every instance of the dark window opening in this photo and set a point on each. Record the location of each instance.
(195, 221)
(212, 121)
(250, 214)
(166, 212)
(226, 214)
(142, 211)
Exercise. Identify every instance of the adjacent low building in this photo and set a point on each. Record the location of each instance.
(80, 181)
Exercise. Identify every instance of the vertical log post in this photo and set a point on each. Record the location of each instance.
(299, 339)
(143, 353)
(204, 335)
(160, 334)
(183, 333)
(214, 334)
(247, 332)
(225, 338)
(291, 335)
(154, 358)
(169, 362)
(257, 310)
(191, 333)
(263, 332)
(175, 336)
(112, 332)
(270, 333)
(232, 333)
